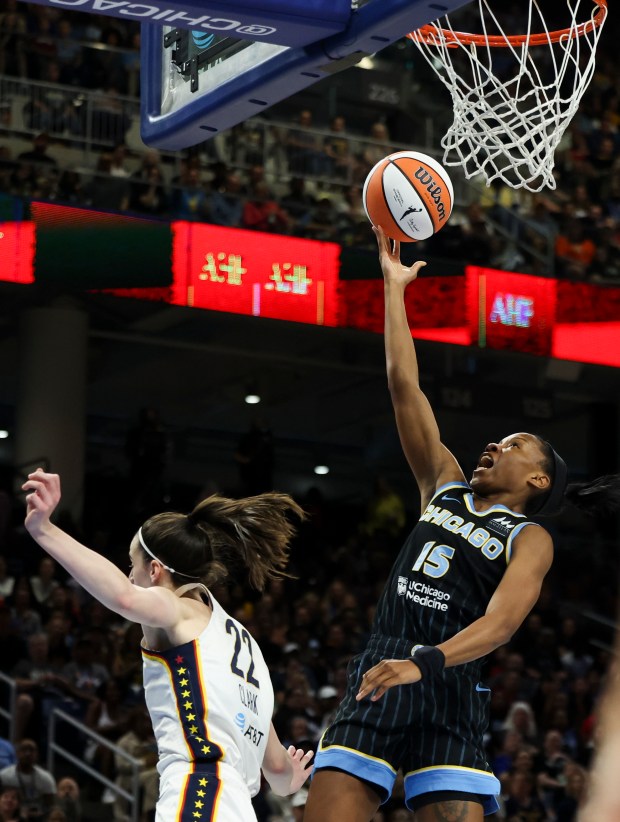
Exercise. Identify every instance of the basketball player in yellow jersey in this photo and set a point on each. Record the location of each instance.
(207, 687)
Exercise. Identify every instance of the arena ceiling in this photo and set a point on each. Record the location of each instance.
(324, 394)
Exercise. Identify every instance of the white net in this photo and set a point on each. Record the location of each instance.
(513, 100)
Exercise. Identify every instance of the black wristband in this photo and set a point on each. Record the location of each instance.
(429, 659)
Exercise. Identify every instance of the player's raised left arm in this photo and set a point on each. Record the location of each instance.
(157, 606)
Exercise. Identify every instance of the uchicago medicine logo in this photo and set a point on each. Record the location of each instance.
(422, 594)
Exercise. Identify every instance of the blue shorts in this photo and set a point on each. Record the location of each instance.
(432, 731)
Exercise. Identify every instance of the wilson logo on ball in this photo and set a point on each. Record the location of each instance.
(409, 195)
(433, 189)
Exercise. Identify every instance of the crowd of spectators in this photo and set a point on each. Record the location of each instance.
(34, 37)
(64, 650)
(304, 179)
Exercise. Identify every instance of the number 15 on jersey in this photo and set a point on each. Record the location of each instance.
(434, 560)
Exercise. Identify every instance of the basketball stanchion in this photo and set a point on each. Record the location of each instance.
(513, 96)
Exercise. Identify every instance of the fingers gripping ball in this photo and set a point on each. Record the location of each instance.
(409, 195)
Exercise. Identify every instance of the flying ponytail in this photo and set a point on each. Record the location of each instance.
(255, 531)
(600, 496)
(221, 537)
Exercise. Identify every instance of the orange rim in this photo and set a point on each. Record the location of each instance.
(429, 34)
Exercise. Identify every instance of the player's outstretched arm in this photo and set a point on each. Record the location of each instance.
(285, 770)
(157, 607)
(432, 464)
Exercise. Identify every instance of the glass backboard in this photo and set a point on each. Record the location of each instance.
(197, 82)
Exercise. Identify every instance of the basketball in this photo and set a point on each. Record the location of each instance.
(409, 195)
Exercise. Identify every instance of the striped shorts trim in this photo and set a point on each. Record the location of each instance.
(365, 767)
(453, 778)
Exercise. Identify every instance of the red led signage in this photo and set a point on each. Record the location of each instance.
(538, 315)
(588, 342)
(288, 278)
(17, 252)
(435, 308)
(510, 311)
(587, 327)
(246, 272)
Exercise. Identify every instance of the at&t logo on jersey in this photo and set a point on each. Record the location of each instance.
(253, 734)
(250, 732)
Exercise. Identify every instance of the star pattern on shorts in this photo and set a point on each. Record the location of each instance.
(200, 800)
(190, 705)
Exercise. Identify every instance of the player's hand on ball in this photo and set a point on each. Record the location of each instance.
(389, 258)
(387, 674)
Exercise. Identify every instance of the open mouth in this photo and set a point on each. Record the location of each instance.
(485, 462)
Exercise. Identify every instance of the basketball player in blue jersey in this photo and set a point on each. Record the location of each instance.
(206, 683)
(463, 583)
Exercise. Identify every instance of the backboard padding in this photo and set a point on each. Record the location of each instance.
(191, 118)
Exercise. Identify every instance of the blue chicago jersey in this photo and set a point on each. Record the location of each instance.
(442, 581)
(448, 568)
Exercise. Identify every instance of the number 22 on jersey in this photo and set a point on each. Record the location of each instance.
(231, 628)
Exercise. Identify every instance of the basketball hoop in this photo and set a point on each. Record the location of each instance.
(511, 113)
